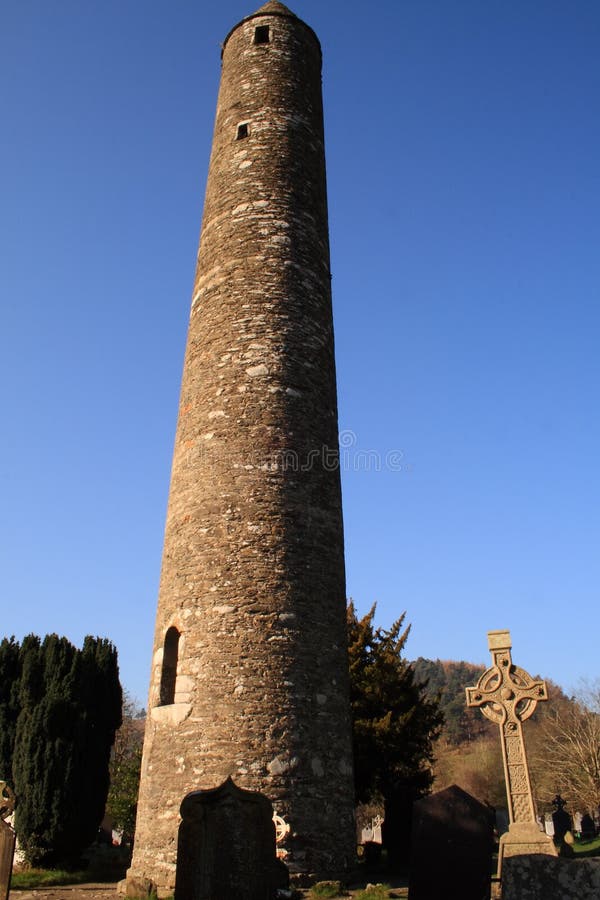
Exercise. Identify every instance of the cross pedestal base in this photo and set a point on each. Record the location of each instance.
(524, 838)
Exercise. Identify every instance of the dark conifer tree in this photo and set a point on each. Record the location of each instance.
(394, 725)
(70, 709)
(100, 700)
(9, 704)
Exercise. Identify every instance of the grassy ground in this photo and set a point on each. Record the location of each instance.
(32, 879)
(587, 848)
(104, 871)
(374, 890)
(102, 865)
(41, 879)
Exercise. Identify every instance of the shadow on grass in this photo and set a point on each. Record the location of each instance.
(110, 868)
(379, 871)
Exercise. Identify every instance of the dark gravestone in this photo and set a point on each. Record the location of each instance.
(397, 825)
(7, 852)
(560, 819)
(451, 847)
(372, 854)
(588, 829)
(226, 847)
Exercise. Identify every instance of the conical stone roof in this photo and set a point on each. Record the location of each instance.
(274, 6)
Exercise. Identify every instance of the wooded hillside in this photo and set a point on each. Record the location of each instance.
(562, 740)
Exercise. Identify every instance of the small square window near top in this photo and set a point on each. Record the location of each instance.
(261, 34)
(242, 131)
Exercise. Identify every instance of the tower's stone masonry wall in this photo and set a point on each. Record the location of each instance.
(253, 570)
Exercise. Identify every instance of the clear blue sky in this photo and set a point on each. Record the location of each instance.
(463, 149)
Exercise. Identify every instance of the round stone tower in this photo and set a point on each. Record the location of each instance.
(250, 676)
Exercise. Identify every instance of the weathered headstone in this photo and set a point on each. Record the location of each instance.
(560, 819)
(226, 847)
(457, 831)
(7, 839)
(377, 833)
(588, 829)
(372, 833)
(507, 695)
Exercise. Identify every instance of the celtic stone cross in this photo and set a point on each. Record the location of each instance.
(508, 695)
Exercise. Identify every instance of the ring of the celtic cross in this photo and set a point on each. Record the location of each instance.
(518, 680)
(525, 706)
(509, 687)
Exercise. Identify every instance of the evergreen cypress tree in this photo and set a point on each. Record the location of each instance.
(9, 704)
(100, 701)
(70, 709)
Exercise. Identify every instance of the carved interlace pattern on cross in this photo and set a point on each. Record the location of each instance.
(507, 695)
(513, 749)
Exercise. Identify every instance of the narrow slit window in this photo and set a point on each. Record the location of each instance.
(262, 34)
(242, 131)
(168, 676)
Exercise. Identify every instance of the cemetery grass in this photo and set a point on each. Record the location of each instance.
(375, 884)
(24, 879)
(587, 848)
(30, 879)
(374, 891)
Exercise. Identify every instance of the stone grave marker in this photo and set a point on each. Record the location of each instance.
(588, 829)
(560, 819)
(373, 833)
(377, 830)
(226, 847)
(507, 695)
(7, 839)
(451, 847)
(282, 830)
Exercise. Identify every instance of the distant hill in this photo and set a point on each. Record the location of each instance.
(447, 680)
